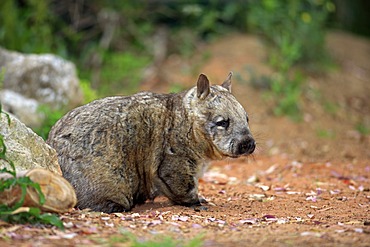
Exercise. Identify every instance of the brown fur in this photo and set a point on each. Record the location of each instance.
(120, 151)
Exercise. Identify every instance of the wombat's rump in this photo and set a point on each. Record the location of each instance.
(120, 151)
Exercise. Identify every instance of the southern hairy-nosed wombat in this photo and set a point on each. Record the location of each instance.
(120, 151)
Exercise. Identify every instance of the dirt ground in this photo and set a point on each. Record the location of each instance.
(306, 185)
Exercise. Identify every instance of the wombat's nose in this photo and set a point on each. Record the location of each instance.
(247, 146)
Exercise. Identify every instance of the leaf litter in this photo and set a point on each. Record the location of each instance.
(238, 202)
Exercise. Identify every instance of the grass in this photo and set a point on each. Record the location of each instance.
(331, 108)
(325, 133)
(363, 129)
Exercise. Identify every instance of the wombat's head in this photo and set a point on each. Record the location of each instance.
(220, 121)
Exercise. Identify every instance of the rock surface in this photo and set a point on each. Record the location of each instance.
(46, 78)
(25, 148)
(24, 108)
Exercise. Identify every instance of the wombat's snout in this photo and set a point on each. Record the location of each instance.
(246, 146)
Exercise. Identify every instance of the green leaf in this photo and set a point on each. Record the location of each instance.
(36, 186)
(52, 219)
(6, 114)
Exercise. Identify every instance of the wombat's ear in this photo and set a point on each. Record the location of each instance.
(202, 86)
(227, 83)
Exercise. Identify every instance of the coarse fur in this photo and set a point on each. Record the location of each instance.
(120, 151)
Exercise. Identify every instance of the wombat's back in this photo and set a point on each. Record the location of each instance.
(103, 149)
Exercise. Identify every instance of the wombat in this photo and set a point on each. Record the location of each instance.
(121, 151)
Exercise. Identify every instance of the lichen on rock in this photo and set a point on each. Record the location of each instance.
(25, 148)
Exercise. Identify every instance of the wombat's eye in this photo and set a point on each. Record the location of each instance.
(223, 123)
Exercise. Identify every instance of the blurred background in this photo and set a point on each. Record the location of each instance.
(289, 57)
(111, 42)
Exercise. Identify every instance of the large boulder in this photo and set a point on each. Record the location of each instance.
(46, 78)
(26, 149)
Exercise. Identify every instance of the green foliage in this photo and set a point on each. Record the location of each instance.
(325, 133)
(176, 88)
(2, 75)
(288, 93)
(295, 32)
(51, 116)
(9, 214)
(331, 107)
(6, 114)
(210, 17)
(89, 93)
(32, 215)
(296, 29)
(27, 26)
(122, 72)
(362, 128)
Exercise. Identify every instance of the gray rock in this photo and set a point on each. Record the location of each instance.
(24, 108)
(25, 148)
(46, 78)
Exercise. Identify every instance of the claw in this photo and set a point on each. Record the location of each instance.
(198, 208)
(203, 200)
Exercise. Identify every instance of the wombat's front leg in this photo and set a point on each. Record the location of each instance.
(178, 181)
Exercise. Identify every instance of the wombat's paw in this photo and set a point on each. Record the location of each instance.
(196, 205)
(111, 207)
(202, 200)
(198, 208)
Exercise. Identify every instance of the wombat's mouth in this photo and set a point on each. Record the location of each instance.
(236, 149)
(242, 148)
